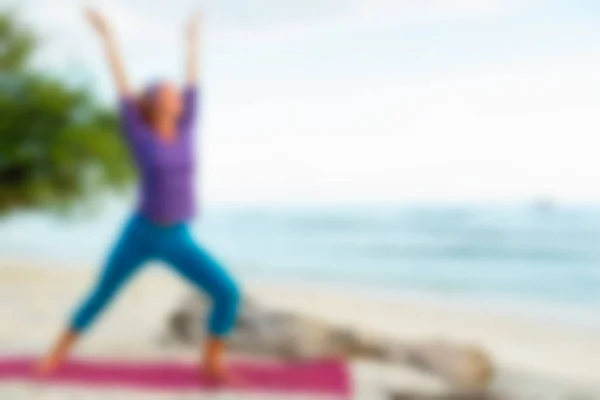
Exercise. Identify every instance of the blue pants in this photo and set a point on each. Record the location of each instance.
(142, 241)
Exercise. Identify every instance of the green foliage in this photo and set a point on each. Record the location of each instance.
(57, 144)
(16, 43)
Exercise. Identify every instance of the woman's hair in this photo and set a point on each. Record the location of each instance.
(145, 102)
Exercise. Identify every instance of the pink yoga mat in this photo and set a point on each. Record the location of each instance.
(319, 377)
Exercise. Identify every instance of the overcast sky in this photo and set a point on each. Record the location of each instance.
(380, 100)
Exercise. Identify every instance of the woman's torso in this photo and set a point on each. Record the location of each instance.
(166, 168)
(166, 179)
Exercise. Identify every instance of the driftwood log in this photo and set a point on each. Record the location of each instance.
(265, 332)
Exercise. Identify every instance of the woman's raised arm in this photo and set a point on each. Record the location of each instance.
(193, 50)
(99, 23)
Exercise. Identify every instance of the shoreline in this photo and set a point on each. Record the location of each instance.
(554, 315)
(586, 320)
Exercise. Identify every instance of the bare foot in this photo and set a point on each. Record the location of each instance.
(47, 366)
(220, 375)
(57, 356)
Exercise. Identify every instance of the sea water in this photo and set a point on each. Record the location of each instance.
(523, 258)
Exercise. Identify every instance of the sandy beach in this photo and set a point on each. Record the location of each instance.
(534, 360)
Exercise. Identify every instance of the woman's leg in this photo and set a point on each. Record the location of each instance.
(204, 272)
(128, 255)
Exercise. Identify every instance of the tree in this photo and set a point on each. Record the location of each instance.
(58, 145)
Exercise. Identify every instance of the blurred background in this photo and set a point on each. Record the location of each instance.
(433, 147)
(441, 151)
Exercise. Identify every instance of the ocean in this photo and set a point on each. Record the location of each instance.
(537, 260)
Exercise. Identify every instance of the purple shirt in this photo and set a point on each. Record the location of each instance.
(167, 192)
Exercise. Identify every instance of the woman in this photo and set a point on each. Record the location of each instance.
(159, 129)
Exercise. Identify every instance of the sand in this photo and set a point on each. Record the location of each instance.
(535, 360)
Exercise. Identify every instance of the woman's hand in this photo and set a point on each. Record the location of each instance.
(98, 21)
(193, 28)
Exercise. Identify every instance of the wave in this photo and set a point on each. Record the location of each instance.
(475, 252)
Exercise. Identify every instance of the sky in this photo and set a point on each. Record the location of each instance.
(366, 100)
